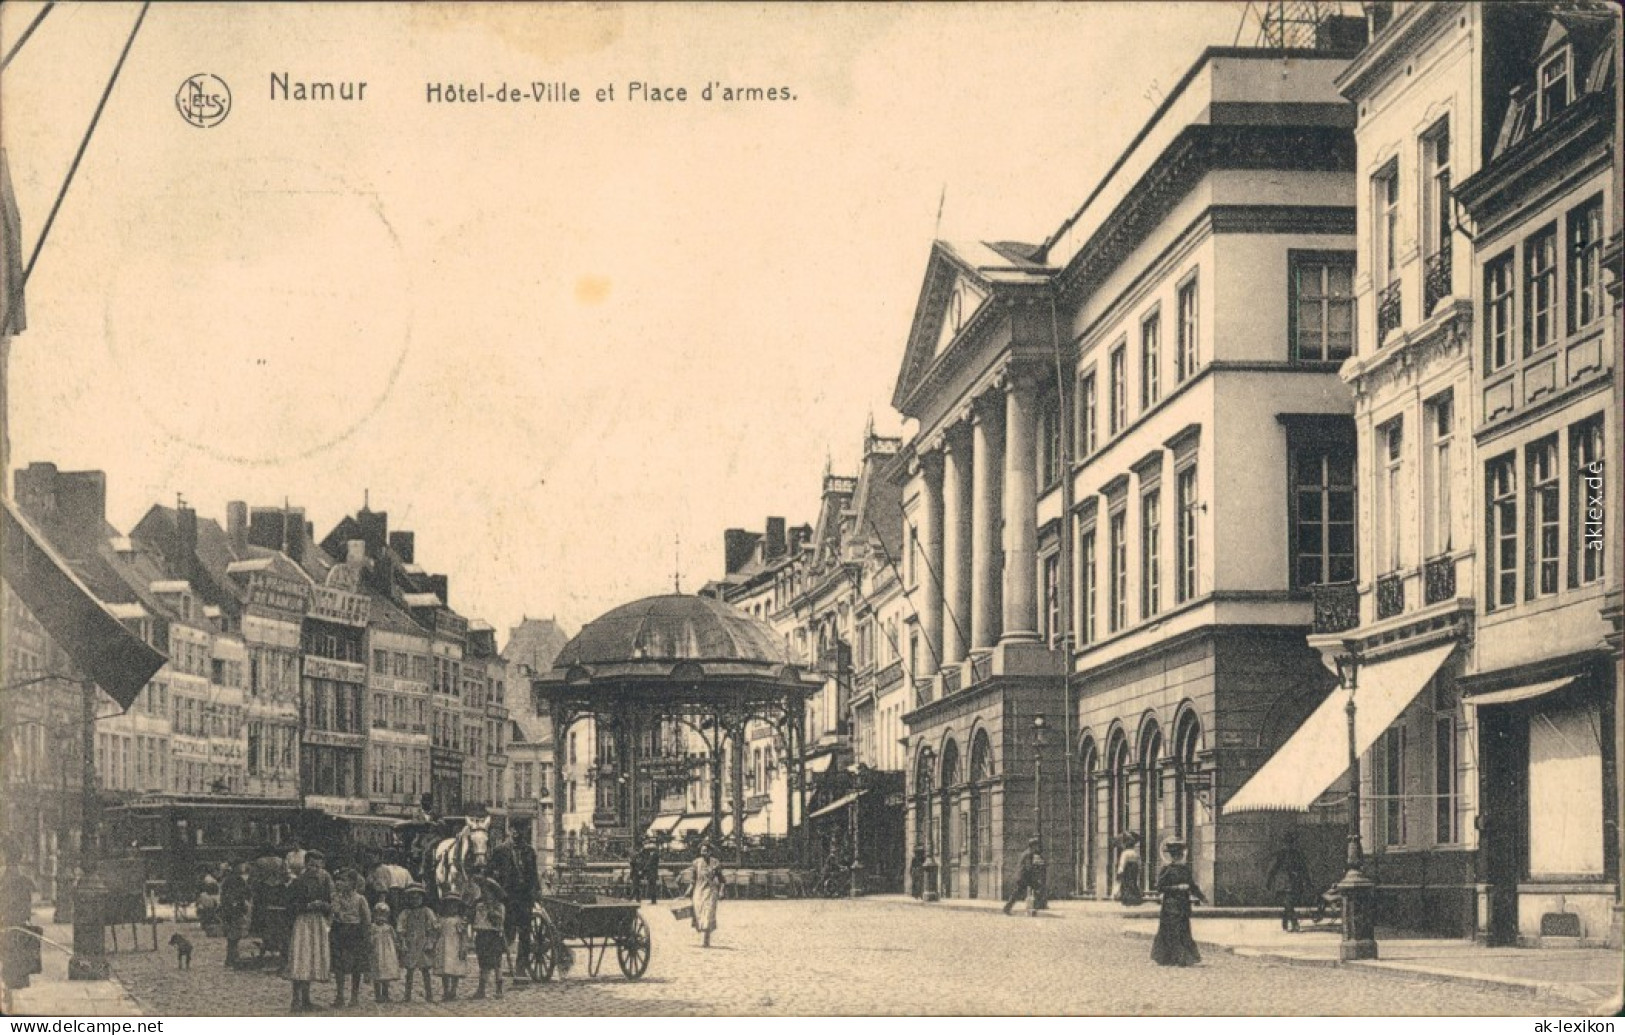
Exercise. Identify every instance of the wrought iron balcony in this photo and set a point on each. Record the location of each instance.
(1436, 278)
(1337, 607)
(1439, 579)
(889, 676)
(1390, 595)
(1388, 311)
(950, 680)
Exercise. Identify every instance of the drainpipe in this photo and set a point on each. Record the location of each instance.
(1064, 583)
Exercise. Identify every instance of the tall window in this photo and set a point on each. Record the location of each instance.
(1446, 781)
(1390, 491)
(1150, 360)
(1540, 291)
(1088, 419)
(1052, 599)
(1087, 589)
(1185, 364)
(1585, 264)
(1322, 313)
(1554, 82)
(1118, 573)
(1119, 387)
(1586, 503)
(1323, 515)
(1393, 785)
(1150, 553)
(1436, 158)
(1439, 423)
(1545, 525)
(1049, 438)
(1385, 241)
(1501, 496)
(1185, 501)
(1498, 312)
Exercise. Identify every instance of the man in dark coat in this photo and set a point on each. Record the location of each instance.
(513, 867)
(1291, 867)
(1033, 871)
(16, 909)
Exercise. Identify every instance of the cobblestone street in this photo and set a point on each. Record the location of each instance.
(802, 958)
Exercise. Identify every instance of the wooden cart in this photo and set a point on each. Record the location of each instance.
(594, 924)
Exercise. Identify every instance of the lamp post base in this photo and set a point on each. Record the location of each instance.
(89, 959)
(1359, 920)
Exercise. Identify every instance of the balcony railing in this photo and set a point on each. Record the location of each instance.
(1390, 595)
(1439, 579)
(922, 692)
(1436, 278)
(889, 676)
(1337, 607)
(950, 680)
(1388, 311)
(981, 668)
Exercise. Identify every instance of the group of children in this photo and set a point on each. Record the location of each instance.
(419, 941)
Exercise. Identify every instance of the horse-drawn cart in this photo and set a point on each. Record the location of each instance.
(594, 924)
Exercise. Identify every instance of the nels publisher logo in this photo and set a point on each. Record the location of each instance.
(203, 100)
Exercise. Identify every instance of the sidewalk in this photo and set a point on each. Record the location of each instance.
(1588, 978)
(50, 993)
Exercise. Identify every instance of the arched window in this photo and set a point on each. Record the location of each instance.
(951, 825)
(981, 816)
(1151, 793)
(1088, 764)
(1118, 765)
(1187, 742)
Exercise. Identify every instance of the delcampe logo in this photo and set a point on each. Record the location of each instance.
(203, 100)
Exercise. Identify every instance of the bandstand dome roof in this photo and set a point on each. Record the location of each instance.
(673, 628)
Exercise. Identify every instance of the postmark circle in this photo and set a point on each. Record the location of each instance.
(204, 100)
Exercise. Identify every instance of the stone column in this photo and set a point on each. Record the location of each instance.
(956, 586)
(927, 566)
(1021, 510)
(987, 551)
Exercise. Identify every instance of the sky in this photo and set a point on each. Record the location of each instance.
(566, 344)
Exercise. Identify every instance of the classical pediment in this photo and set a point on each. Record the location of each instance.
(961, 280)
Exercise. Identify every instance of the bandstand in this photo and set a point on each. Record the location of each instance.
(661, 663)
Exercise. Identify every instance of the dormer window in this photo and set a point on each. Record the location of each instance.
(1554, 80)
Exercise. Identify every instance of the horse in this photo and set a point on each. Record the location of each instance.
(451, 861)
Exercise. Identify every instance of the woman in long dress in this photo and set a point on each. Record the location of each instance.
(1174, 946)
(1128, 871)
(705, 889)
(310, 899)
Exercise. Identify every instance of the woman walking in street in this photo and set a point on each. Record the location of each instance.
(1128, 870)
(349, 936)
(310, 900)
(705, 889)
(1174, 946)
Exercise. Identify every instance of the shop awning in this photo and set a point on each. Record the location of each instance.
(818, 764)
(1519, 693)
(1318, 753)
(664, 824)
(839, 803)
(691, 824)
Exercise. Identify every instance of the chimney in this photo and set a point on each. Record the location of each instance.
(402, 543)
(36, 491)
(265, 528)
(775, 538)
(183, 564)
(294, 532)
(355, 551)
(237, 527)
(799, 537)
(737, 547)
(374, 530)
(437, 586)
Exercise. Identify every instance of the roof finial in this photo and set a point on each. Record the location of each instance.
(366, 499)
(677, 564)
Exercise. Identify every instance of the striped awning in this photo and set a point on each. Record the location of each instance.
(1318, 753)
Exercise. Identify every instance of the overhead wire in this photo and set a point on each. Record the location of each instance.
(15, 47)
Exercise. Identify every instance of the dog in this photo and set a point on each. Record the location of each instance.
(183, 950)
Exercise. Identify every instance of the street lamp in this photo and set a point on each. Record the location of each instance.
(860, 783)
(1040, 741)
(1359, 923)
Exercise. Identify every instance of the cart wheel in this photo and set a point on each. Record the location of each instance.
(632, 949)
(544, 949)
